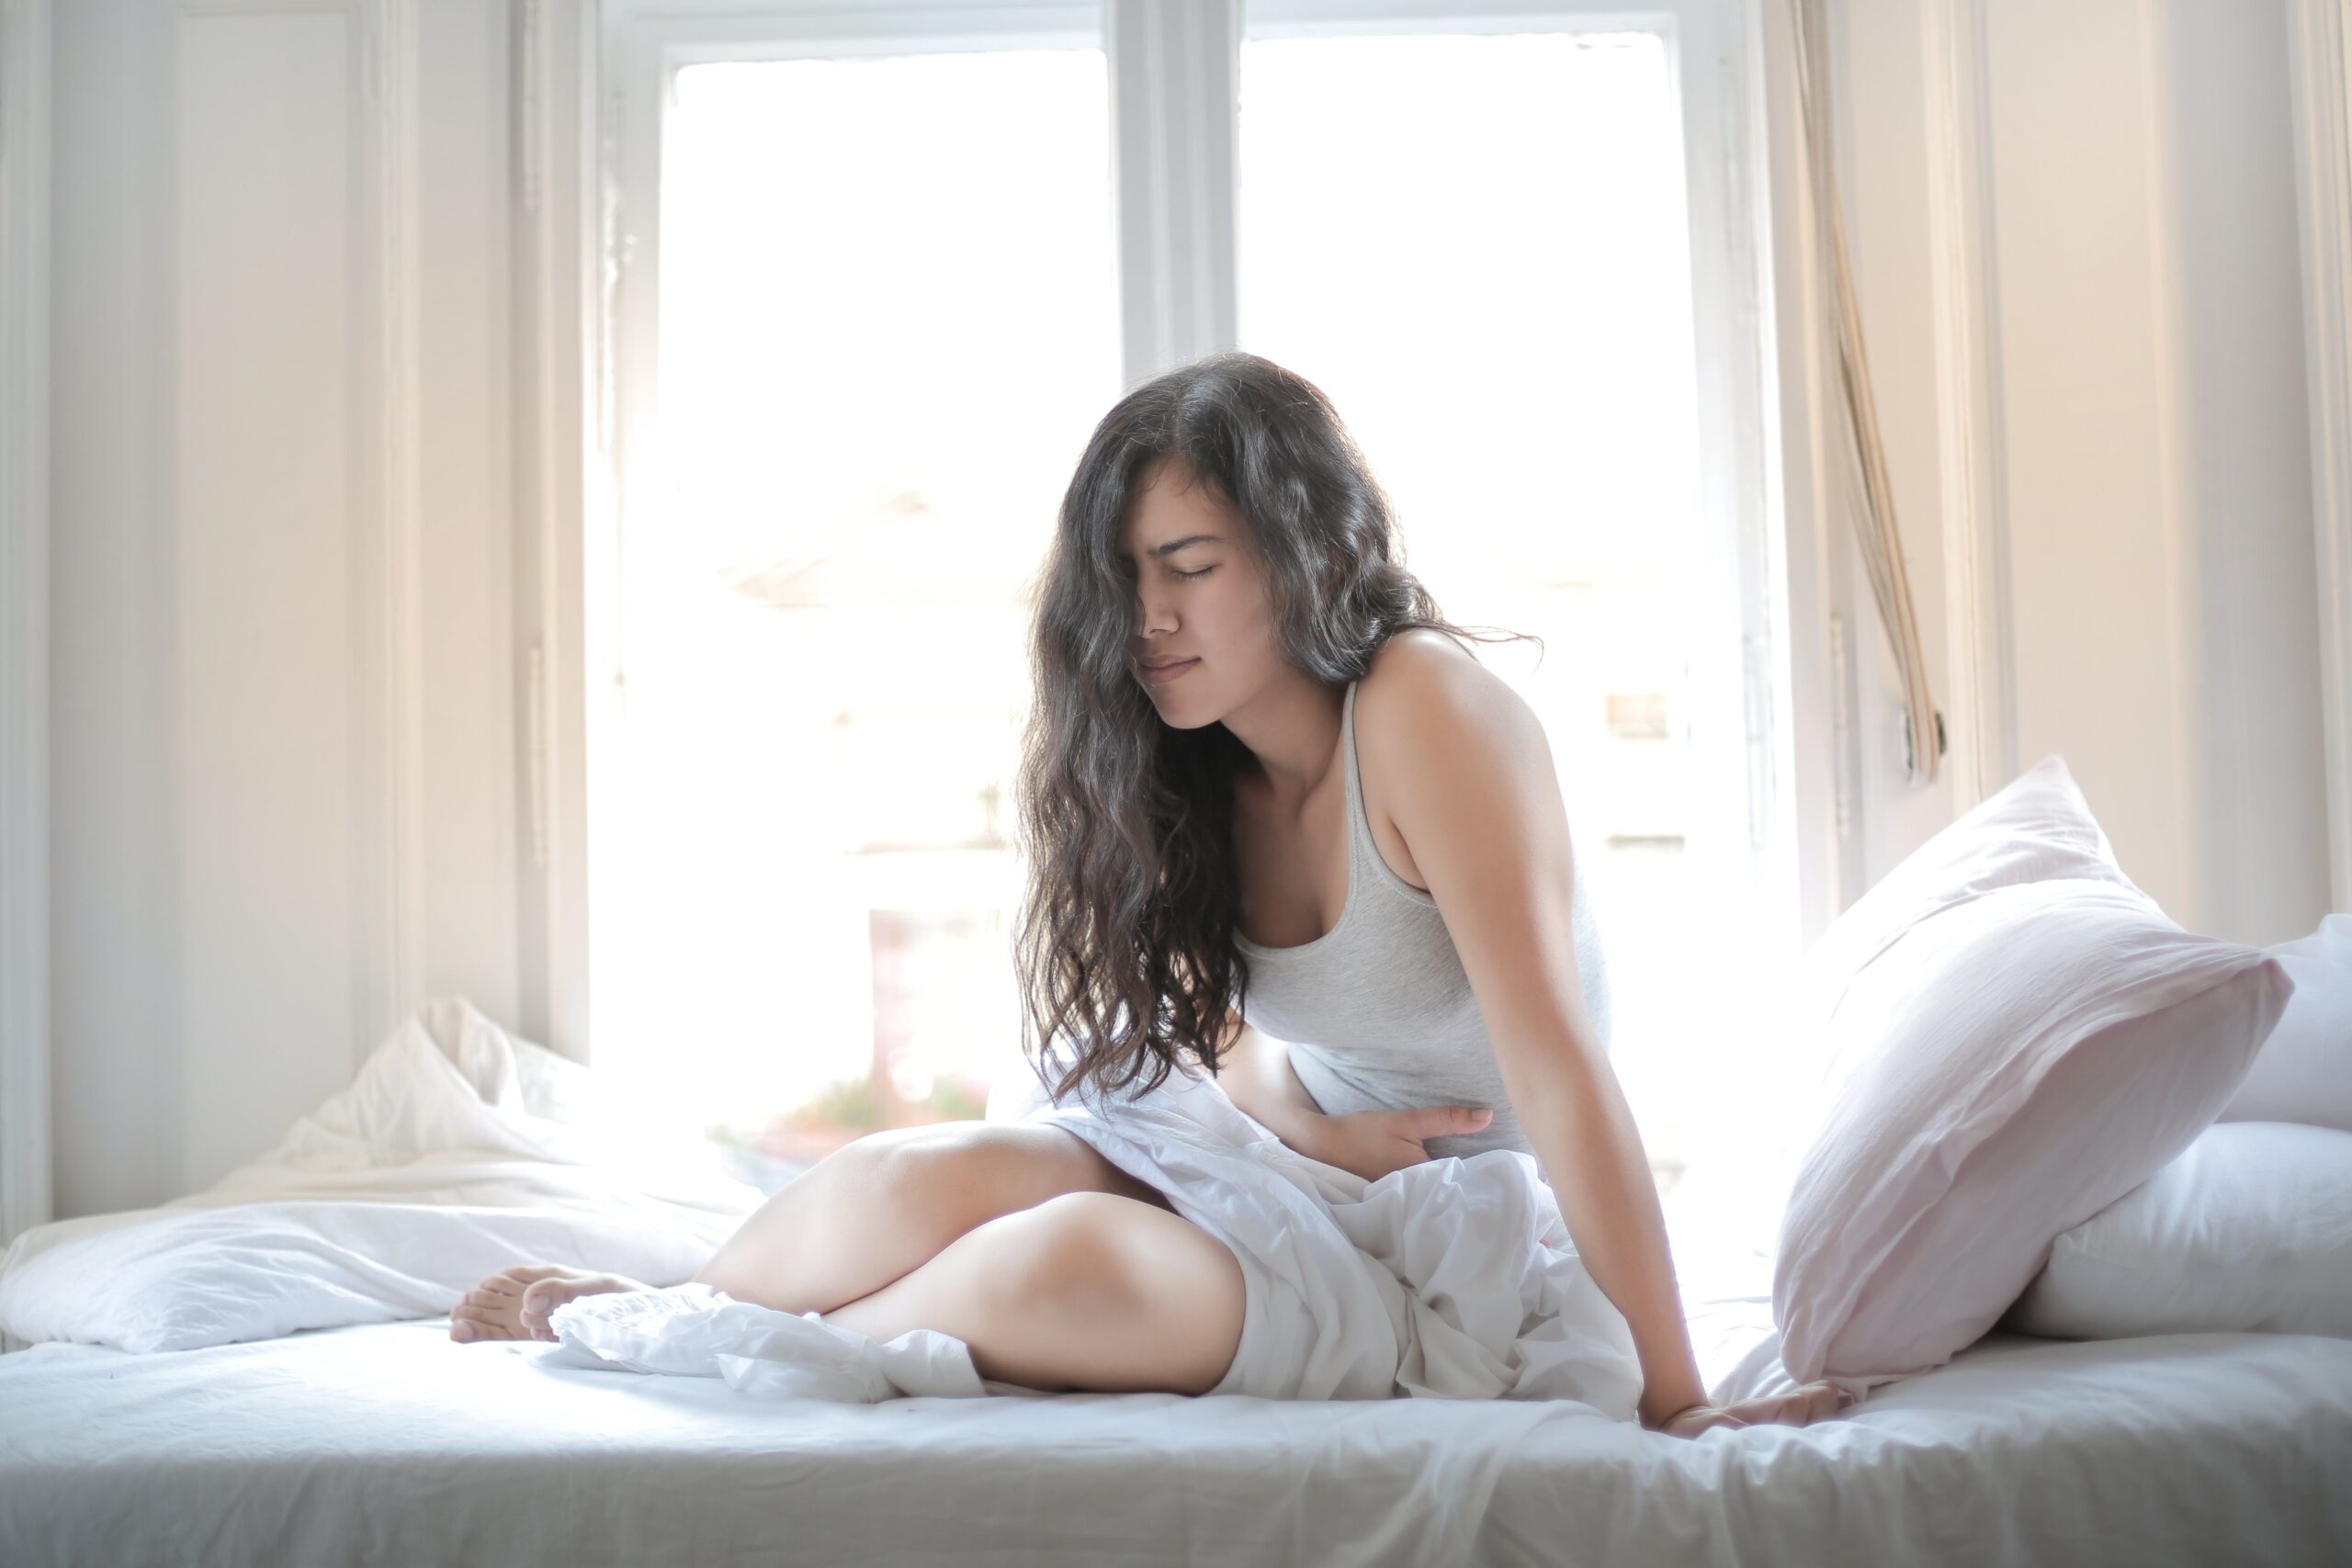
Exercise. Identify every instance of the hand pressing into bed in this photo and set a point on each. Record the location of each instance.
(1800, 1407)
(1370, 1144)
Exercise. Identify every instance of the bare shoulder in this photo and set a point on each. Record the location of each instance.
(1422, 686)
(1432, 724)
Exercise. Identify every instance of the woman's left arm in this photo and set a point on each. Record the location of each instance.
(1475, 795)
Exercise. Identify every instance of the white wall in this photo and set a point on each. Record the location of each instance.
(284, 622)
(2150, 506)
(231, 558)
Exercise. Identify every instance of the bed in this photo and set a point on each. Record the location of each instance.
(389, 1443)
(273, 1382)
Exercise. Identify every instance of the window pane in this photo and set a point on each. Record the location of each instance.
(886, 322)
(1494, 288)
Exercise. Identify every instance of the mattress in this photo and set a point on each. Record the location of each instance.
(389, 1443)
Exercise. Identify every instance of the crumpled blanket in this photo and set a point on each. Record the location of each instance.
(1453, 1278)
(457, 1150)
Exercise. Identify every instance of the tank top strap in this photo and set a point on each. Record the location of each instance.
(1359, 842)
(1365, 862)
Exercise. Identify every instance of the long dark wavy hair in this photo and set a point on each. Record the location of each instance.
(1124, 943)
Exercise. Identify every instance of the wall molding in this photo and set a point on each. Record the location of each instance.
(563, 489)
(2319, 69)
(26, 1193)
(389, 666)
(1980, 650)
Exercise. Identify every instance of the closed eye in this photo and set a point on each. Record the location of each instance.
(1188, 576)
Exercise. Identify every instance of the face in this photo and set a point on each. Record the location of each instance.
(1199, 597)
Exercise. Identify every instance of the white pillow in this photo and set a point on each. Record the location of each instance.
(2251, 1229)
(457, 1150)
(2016, 1037)
(181, 1279)
(2304, 1072)
(2037, 829)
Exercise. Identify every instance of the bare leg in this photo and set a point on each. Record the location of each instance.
(870, 1212)
(1088, 1291)
(857, 1220)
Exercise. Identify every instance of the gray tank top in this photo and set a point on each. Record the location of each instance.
(1377, 1011)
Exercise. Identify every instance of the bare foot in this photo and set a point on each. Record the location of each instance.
(515, 1302)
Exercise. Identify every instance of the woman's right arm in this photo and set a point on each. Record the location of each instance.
(1256, 1075)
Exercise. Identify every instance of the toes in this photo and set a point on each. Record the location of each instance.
(538, 1303)
(536, 1311)
(487, 1323)
(509, 1281)
(546, 1295)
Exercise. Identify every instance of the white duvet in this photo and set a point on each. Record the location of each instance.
(458, 1150)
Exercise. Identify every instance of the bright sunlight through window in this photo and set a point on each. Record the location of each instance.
(888, 323)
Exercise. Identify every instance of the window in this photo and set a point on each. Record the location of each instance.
(869, 309)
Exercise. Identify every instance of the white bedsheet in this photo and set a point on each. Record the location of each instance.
(390, 1444)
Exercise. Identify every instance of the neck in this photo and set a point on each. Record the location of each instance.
(1292, 732)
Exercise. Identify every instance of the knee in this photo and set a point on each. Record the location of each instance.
(1130, 1296)
(1077, 1254)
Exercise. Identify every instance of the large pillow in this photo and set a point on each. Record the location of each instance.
(2304, 1072)
(2016, 1037)
(2038, 829)
(2251, 1229)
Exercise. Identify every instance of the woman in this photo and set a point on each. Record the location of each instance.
(1245, 705)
